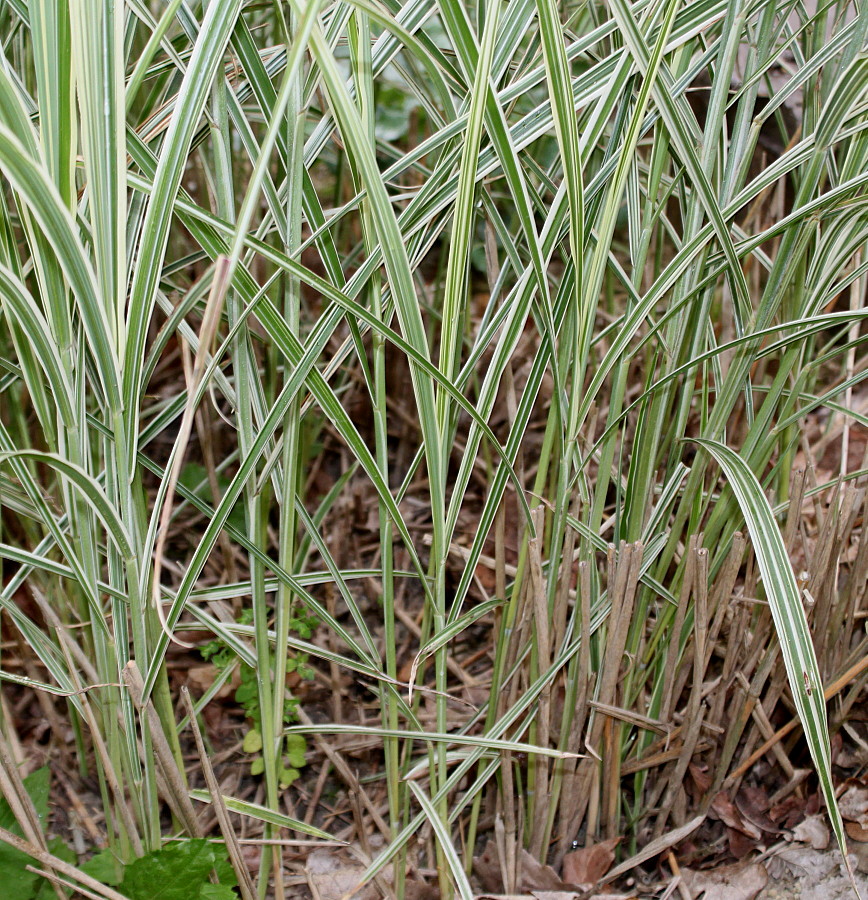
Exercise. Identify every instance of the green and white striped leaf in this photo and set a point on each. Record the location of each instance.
(791, 624)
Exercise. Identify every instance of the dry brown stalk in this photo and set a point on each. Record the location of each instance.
(675, 635)
(835, 688)
(245, 882)
(543, 641)
(173, 777)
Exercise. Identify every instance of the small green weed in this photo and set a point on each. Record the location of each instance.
(247, 697)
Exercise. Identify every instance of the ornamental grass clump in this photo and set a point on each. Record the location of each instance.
(477, 385)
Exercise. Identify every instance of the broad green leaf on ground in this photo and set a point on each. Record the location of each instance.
(105, 867)
(17, 882)
(180, 872)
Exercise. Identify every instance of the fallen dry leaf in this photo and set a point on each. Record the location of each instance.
(738, 882)
(535, 876)
(789, 812)
(739, 843)
(700, 777)
(729, 815)
(853, 804)
(420, 890)
(201, 678)
(589, 864)
(332, 876)
(813, 831)
(656, 847)
(856, 832)
(486, 867)
(753, 804)
(752, 800)
(817, 867)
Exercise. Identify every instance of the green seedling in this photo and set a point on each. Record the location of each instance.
(247, 696)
